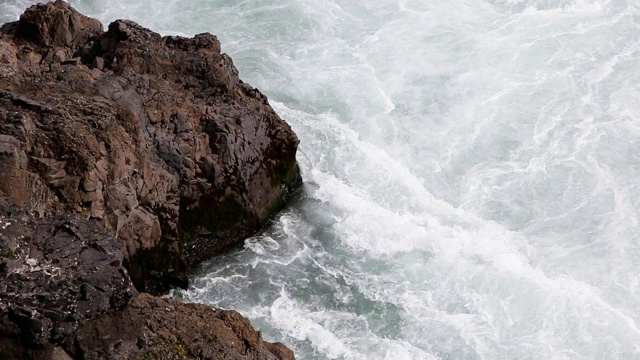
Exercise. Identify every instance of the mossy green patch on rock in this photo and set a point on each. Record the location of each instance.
(11, 253)
(182, 350)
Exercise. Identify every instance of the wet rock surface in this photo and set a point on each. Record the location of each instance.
(126, 155)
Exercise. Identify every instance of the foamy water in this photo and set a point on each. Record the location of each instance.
(471, 167)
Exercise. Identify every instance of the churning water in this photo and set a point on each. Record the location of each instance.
(472, 173)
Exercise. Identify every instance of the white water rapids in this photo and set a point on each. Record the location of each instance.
(472, 172)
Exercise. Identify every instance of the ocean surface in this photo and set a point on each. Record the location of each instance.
(471, 169)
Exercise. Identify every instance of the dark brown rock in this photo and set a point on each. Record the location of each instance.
(65, 295)
(125, 149)
(157, 137)
(57, 273)
(155, 328)
(56, 25)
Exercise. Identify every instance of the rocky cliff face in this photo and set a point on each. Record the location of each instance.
(125, 149)
(156, 137)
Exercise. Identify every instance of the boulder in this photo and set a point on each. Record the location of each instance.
(156, 328)
(56, 25)
(155, 137)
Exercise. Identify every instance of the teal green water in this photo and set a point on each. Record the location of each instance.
(471, 167)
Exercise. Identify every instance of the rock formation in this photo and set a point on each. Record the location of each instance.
(65, 294)
(125, 149)
(156, 137)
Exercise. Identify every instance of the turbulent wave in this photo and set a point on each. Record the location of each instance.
(471, 173)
